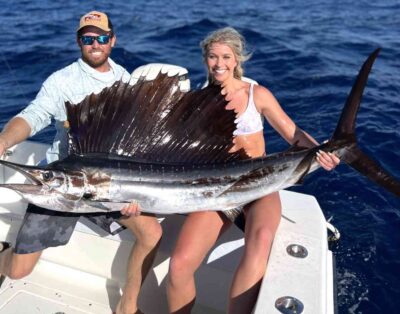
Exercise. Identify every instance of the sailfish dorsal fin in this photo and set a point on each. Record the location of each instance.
(154, 120)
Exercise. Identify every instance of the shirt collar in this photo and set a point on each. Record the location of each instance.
(102, 76)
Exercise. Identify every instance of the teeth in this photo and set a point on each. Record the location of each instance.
(220, 71)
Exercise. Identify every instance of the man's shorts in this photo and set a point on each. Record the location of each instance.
(43, 228)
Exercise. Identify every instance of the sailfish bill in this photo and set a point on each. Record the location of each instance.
(169, 150)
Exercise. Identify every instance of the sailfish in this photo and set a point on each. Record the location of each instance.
(149, 142)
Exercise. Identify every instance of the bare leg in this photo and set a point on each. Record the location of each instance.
(262, 220)
(17, 266)
(197, 236)
(148, 233)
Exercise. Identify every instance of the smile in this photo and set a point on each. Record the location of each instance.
(220, 71)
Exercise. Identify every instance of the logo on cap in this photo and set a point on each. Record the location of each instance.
(93, 16)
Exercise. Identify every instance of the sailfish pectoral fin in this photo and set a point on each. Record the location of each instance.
(358, 160)
(236, 215)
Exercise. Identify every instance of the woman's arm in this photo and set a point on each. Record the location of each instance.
(270, 108)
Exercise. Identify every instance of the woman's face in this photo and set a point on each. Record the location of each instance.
(221, 62)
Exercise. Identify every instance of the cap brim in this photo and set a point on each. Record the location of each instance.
(95, 26)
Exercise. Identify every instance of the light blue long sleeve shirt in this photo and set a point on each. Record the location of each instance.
(70, 84)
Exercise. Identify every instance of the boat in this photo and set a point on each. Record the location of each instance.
(87, 274)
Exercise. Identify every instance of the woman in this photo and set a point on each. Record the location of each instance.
(223, 53)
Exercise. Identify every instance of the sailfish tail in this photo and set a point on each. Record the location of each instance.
(370, 168)
(345, 133)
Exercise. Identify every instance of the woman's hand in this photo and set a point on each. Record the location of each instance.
(133, 209)
(328, 161)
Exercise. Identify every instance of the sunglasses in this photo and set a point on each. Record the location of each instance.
(89, 40)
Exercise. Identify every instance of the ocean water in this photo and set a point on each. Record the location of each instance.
(306, 52)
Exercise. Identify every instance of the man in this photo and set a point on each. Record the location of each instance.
(43, 228)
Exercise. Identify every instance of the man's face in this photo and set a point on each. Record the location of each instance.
(94, 53)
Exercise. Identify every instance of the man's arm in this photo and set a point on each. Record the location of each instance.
(15, 131)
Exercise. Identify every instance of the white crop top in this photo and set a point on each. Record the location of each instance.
(250, 121)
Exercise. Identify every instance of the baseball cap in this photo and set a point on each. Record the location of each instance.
(96, 19)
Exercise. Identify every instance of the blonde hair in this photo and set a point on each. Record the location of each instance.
(234, 40)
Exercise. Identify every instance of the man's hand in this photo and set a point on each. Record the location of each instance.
(328, 161)
(14, 132)
(133, 209)
(3, 146)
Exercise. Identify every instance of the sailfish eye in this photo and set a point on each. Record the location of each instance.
(47, 175)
